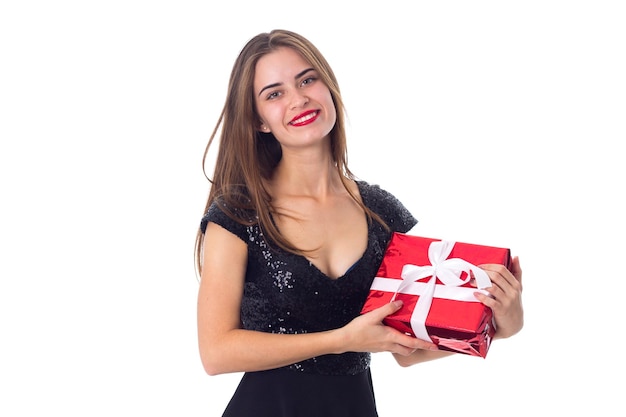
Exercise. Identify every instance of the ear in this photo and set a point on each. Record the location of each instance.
(263, 128)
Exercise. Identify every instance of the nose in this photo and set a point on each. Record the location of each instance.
(299, 100)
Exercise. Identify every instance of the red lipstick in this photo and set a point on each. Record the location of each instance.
(304, 118)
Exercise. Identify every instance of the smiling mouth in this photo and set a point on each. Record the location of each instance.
(305, 119)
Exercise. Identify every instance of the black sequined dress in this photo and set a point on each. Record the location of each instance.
(285, 293)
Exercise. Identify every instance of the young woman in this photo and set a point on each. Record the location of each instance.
(290, 242)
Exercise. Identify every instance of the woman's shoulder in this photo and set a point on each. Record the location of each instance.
(231, 218)
(387, 206)
(373, 192)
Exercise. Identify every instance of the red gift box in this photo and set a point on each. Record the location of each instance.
(432, 278)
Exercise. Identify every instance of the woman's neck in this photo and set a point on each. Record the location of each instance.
(306, 175)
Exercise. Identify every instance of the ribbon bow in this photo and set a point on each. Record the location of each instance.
(448, 271)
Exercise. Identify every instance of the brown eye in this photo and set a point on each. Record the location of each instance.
(272, 95)
(308, 80)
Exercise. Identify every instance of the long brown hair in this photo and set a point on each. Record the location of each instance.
(246, 157)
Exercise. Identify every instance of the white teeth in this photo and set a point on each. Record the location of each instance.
(305, 118)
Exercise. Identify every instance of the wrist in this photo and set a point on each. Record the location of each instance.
(337, 340)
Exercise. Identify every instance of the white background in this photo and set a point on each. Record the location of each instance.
(495, 122)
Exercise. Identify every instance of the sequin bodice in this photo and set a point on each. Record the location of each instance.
(285, 293)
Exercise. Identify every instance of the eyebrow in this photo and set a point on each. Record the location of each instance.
(298, 75)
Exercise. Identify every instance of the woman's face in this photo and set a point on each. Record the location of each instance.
(291, 99)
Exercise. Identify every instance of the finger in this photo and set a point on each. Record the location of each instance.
(403, 350)
(488, 300)
(381, 312)
(414, 343)
(499, 275)
(516, 269)
(399, 338)
(494, 294)
(508, 282)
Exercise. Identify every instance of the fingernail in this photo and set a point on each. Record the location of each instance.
(398, 303)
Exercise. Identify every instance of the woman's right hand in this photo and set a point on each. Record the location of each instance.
(367, 333)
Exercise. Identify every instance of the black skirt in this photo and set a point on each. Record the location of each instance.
(288, 393)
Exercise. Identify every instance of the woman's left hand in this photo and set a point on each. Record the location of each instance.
(505, 297)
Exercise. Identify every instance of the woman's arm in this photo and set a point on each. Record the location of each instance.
(420, 356)
(225, 347)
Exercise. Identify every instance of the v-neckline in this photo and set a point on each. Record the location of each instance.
(358, 261)
(350, 268)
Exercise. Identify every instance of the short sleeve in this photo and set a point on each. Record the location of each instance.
(216, 214)
(387, 206)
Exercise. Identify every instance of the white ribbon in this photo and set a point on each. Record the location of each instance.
(448, 271)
